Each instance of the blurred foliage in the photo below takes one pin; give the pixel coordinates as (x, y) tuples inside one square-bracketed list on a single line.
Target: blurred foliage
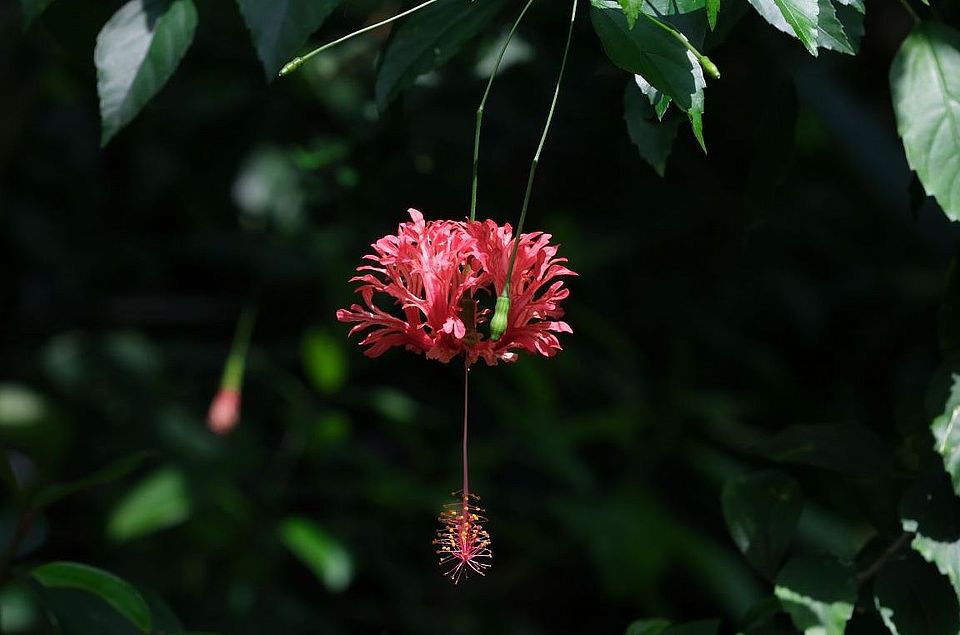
[(770, 306)]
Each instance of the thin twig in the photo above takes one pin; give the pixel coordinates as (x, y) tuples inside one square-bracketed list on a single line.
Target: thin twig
[(879, 563)]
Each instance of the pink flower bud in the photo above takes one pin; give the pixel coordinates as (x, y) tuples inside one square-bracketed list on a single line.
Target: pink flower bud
[(224, 411)]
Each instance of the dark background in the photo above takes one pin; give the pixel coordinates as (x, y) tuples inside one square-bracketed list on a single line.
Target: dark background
[(785, 278)]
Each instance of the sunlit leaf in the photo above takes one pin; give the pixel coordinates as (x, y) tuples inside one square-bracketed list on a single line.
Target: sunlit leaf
[(427, 39), (649, 50), (762, 511), (713, 10), (931, 511), (324, 555), (137, 51), (830, 31), (280, 27), (159, 501), (116, 592), (794, 17), (818, 592), (946, 434), (925, 82)]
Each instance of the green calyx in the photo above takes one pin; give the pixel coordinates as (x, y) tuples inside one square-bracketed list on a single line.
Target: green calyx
[(500, 313)]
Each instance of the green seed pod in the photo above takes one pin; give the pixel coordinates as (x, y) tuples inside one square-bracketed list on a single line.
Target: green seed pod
[(499, 322)]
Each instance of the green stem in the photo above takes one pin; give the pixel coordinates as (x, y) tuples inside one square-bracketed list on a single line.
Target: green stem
[(483, 102), (909, 9), (233, 370), (536, 157), (297, 62), (708, 66)]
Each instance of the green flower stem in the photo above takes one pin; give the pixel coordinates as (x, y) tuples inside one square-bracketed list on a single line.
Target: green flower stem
[(909, 9), (236, 361), (297, 62), (708, 66), (536, 157), (483, 102)]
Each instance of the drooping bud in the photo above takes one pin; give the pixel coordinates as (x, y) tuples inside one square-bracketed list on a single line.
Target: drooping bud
[(291, 66), (224, 411), (500, 314), (709, 67)]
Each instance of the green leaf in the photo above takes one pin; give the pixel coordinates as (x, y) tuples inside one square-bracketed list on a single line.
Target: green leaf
[(631, 9), (7, 475), (762, 511), (794, 17), (159, 501), (818, 592), (931, 511), (830, 32), (280, 27), (137, 51), (324, 360), (322, 553), (649, 50), (925, 82), (713, 10), (915, 599), (426, 40), (113, 590), (658, 100), (32, 9), (855, 4), (112, 472), (701, 627), (654, 139), (946, 434), (847, 448), (647, 627)]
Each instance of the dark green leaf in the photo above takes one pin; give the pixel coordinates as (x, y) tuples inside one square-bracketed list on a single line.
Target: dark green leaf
[(931, 511), (137, 51), (760, 615), (159, 501), (946, 434), (324, 360), (650, 51), (325, 556), (647, 627), (427, 39), (818, 592), (794, 17), (7, 475), (925, 82), (653, 138), (713, 9), (915, 599), (851, 19), (32, 9), (762, 511), (842, 447), (112, 472), (280, 27), (830, 33), (114, 591)]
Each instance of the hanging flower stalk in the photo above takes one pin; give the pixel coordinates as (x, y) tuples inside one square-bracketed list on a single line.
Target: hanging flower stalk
[(434, 275)]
